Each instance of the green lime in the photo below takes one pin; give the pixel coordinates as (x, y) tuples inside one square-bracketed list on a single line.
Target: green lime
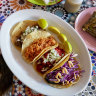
[(54, 29), (43, 23), (62, 37), (67, 47)]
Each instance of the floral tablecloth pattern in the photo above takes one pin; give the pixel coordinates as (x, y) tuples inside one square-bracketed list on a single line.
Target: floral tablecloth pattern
[(7, 7)]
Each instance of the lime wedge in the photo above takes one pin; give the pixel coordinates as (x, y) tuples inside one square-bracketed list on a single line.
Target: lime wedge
[(67, 47), (62, 37), (42, 23), (54, 29)]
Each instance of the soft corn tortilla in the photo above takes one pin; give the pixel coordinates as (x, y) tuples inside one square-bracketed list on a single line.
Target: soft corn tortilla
[(65, 59), (64, 86), (56, 65), (20, 28), (59, 64), (36, 36)]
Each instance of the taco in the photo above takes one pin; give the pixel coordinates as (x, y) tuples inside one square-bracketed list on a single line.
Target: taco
[(37, 43), (21, 30), (50, 59), (64, 74)]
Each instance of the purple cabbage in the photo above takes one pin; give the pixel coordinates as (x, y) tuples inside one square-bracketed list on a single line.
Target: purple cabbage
[(51, 77)]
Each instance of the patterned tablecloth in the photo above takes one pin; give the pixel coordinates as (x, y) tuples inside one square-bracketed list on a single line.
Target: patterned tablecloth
[(7, 7)]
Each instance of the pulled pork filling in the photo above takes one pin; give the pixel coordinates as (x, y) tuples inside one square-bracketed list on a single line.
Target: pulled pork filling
[(49, 59), (37, 46), (66, 74), (22, 36)]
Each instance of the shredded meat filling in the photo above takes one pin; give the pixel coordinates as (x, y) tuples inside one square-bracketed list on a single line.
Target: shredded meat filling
[(37, 46), (18, 41)]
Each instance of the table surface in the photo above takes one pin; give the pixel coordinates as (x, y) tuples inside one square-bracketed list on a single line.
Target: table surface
[(7, 7)]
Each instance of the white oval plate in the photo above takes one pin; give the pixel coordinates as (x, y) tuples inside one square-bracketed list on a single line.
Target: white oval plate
[(25, 72)]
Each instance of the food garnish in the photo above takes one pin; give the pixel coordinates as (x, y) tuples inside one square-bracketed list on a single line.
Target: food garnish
[(54, 29), (65, 74), (67, 46), (49, 59), (21, 37), (43, 23), (62, 37)]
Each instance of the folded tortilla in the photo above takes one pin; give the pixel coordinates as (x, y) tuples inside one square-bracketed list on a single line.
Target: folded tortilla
[(65, 74), (49, 60), (59, 64), (19, 29), (48, 65), (37, 43), (64, 86)]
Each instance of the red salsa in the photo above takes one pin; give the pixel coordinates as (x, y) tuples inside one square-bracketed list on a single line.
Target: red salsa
[(49, 59)]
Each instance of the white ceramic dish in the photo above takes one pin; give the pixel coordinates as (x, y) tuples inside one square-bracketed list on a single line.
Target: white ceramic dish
[(25, 72)]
